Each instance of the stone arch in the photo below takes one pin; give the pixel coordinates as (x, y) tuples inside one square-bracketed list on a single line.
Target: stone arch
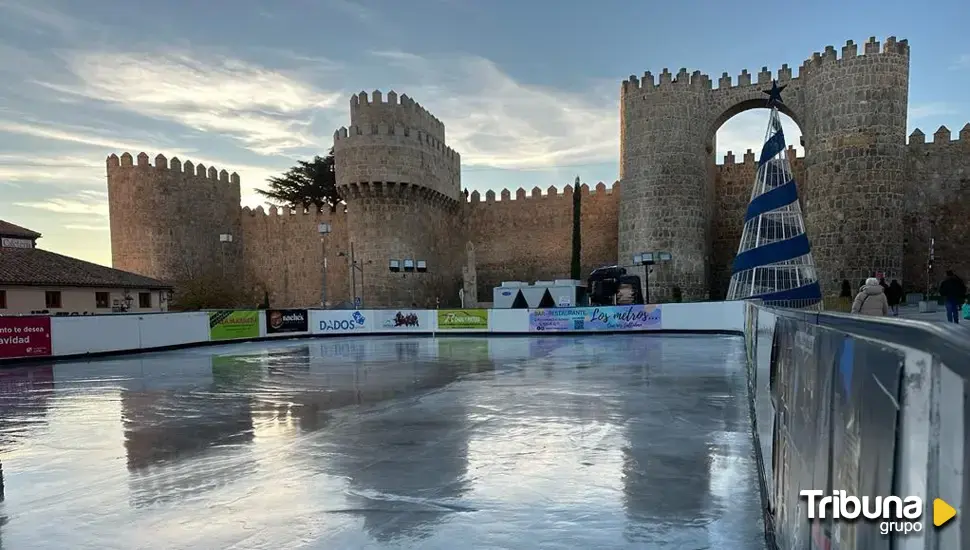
[(730, 185)]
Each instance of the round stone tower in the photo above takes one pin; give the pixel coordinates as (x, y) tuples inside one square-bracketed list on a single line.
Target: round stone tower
[(166, 220), (402, 186), (664, 200), (856, 147)]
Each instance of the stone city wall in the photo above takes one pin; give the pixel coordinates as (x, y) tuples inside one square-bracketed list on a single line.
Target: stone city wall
[(529, 238)]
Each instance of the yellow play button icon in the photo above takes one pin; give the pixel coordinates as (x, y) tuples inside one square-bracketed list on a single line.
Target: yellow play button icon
[(942, 512)]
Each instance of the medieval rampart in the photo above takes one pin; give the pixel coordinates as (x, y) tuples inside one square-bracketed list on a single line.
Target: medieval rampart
[(937, 206), (283, 255), (668, 130), (166, 219), (530, 238), (872, 203)]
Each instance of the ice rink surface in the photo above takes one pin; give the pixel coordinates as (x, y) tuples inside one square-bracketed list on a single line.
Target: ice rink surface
[(591, 442)]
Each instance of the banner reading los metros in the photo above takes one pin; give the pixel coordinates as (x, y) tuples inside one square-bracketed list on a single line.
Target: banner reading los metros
[(233, 324), (287, 320), (640, 317), (462, 319), (25, 336), (341, 321)]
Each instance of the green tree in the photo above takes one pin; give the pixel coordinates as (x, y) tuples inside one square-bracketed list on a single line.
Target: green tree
[(307, 184), (576, 266)]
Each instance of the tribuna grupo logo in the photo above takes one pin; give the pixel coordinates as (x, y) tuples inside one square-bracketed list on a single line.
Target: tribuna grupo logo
[(894, 514)]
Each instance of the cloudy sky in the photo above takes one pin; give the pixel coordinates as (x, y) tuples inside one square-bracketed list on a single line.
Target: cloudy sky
[(528, 89)]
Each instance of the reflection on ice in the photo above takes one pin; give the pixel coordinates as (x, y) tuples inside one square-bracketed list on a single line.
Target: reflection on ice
[(566, 442)]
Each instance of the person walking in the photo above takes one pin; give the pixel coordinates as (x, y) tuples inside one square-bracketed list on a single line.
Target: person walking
[(894, 296), (871, 299), (954, 292)]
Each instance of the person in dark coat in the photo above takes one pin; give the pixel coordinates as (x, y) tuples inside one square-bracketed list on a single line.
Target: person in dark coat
[(954, 292), (895, 296), (846, 289)]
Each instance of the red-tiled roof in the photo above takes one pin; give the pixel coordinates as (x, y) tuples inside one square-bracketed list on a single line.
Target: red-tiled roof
[(8, 229), (36, 267)]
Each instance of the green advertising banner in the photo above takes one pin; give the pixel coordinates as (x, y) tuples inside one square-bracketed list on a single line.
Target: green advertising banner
[(233, 324), (462, 319)]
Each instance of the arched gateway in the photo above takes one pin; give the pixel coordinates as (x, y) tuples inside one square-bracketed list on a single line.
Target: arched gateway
[(852, 113)]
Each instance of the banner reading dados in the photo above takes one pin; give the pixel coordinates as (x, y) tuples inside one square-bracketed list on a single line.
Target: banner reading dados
[(25, 336), (287, 320)]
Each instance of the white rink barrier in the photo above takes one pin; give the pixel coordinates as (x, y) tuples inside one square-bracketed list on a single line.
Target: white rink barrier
[(33, 337)]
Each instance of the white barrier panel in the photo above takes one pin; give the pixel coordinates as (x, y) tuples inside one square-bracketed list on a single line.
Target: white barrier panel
[(94, 334), (114, 333), (509, 320), (403, 320), (173, 329), (704, 316), (346, 321), (764, 409)]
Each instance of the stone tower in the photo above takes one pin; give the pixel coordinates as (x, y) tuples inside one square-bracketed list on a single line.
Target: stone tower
[(852, 113), (166, 219), (402, 186)]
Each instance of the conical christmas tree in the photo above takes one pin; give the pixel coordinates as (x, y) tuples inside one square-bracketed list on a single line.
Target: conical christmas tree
[(774, 261)]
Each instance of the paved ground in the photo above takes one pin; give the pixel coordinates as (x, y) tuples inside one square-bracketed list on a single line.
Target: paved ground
[(605, 442)]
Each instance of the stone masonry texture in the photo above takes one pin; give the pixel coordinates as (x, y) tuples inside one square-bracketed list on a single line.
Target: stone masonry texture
[(872, 202)]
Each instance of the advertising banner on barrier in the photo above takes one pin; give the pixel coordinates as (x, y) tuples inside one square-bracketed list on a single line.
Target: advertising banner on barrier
[(233, 324), (287, 320), (462, 319), (641, 317), (25, 336), (340, 322), (403, 320)]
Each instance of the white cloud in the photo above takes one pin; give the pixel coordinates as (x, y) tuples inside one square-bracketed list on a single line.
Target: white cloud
[(927, 110), (93, 203), (268, 110), (37, 12), (493, 120), (86, 227), (74, 169)]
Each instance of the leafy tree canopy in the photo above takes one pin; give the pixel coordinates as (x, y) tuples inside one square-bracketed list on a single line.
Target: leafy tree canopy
[(307, 184)]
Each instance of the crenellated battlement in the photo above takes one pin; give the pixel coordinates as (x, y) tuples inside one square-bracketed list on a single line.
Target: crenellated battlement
[(942, 136), (393, 109), (552, 193), (702, 82), (749, 157), (386, 134), (142, 161)]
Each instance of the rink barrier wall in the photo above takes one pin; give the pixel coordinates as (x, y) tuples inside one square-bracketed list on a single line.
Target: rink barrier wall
[(98, 335), (871, 406)]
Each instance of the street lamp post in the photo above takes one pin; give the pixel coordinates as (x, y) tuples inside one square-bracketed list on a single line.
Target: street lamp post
[(324, 229), (647, 259), (355, 266)]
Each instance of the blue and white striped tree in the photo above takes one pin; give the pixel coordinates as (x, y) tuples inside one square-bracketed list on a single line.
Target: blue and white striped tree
[(774, 261)]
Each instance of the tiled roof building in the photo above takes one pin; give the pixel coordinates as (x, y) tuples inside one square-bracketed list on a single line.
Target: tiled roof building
[(33, 280)]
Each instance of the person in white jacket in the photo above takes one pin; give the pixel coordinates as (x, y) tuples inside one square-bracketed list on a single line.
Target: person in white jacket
[(871, 299)]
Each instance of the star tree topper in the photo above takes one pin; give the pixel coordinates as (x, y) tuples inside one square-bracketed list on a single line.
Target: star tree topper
[(774, 94)]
